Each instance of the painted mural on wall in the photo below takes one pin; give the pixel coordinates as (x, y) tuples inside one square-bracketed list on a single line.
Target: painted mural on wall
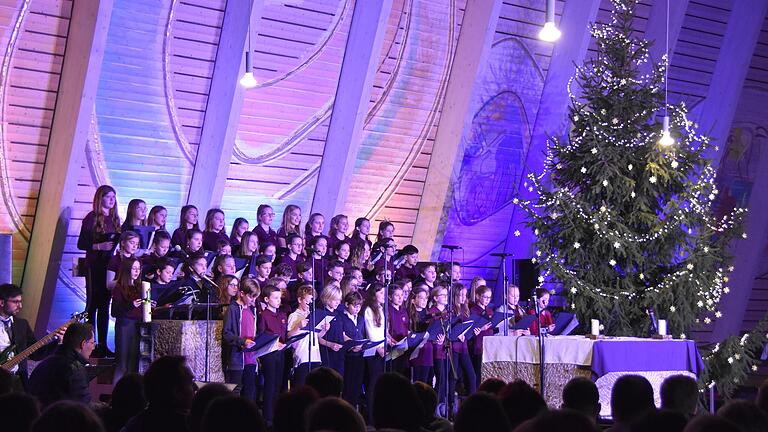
[(495, 141)]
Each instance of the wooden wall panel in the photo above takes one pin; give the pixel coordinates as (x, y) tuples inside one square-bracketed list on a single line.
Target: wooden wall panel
[(34, 34)]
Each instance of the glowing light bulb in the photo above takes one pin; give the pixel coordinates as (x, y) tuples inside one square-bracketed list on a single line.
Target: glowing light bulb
[(550, 32), (248, 81), (666, 139)]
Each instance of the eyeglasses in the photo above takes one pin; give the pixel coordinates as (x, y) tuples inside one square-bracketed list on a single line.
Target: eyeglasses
[(14, 301)]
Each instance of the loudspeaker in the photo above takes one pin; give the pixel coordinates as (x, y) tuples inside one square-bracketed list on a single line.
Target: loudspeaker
[(525, 274)]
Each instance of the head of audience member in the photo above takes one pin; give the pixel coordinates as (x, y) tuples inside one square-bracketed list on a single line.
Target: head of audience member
[(492, 386), (744, 414), (762, 396), (202, 401), (68, 416), (395, 404), (169, 386), (481, 412), (631, 398), (79, 338), (127, 399), (334, 414), (233, 413), (580, 394), (521, 402), (325, 381), (18, 411), (710, 423), (680, 393), (558, 420), (660, 421), (428, 397), (291, 409)]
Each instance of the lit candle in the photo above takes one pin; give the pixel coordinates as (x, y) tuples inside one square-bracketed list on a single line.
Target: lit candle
[(595, 327), (662, 327), (146, 305)]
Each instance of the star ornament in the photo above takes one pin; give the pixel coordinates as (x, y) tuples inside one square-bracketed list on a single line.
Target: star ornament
[(612, 262)]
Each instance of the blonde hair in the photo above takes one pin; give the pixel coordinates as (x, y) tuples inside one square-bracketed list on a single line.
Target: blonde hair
[(330, 292)]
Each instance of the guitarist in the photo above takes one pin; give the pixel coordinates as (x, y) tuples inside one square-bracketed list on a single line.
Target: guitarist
[(16, 332)]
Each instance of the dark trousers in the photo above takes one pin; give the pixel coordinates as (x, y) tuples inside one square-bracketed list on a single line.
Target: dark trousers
[(399, 365), (354, 366), (272, 367), (97, 299), (444, 376), (423, 374), (246, 380), (332, 359), (126, 347), (300, 373), (477, 365), (465, 371), (374, 366)]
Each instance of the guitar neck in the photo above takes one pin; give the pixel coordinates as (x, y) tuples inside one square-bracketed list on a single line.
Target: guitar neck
[(45, 340)]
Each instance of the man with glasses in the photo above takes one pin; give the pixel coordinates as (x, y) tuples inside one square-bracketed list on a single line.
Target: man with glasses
[(16, 334), (63, 376)]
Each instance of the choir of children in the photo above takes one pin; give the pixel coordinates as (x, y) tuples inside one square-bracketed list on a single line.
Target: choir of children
[(326, 298)]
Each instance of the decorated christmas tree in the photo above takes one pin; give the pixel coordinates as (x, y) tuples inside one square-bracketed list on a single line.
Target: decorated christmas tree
[(623, 222)]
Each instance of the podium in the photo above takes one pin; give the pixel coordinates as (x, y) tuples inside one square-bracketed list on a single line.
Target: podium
[(187, 338)]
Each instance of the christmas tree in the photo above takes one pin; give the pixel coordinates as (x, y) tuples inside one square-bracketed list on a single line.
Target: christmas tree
[(623, 222)]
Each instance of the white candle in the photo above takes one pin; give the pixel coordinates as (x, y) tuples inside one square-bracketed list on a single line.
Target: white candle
[(146, 305), (662, 327), (595, 327)]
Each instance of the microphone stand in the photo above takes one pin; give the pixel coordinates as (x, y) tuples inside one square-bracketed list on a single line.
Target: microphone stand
[(449, 367), (541, 343), (505, 281), (388, 280), (312, 310), (205, 279)]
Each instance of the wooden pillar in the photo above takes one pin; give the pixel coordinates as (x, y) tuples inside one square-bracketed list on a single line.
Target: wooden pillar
[(66, 149), (475, 37), (569, 51), (353, 94), (658, 31), (225, 101)]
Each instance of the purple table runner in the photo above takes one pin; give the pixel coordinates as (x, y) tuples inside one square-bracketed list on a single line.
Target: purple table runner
[(649, 355)]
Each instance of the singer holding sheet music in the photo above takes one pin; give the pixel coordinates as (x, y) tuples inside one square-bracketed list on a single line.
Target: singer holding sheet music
[(353, 326), (461, 360), (239, 331), (126, 308), (98, 236), (545, 316), (306, 351), (272, 321), (331, 343), (374, 328), (481, 307)]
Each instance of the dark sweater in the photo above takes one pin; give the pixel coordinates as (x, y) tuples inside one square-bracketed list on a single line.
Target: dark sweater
[(62, 376)]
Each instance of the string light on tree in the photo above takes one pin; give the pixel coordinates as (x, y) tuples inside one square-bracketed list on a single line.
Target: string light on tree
[(641, 198)]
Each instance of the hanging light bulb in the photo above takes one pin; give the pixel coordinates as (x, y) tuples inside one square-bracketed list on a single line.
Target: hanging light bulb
[(550, 32), (666, 139), (248, 81)]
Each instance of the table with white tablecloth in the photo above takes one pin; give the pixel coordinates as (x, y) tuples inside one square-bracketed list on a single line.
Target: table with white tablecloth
[(603, 360)]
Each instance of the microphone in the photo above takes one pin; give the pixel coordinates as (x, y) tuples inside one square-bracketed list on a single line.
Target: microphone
[(502, 254), (178, 249), (451, 247)]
